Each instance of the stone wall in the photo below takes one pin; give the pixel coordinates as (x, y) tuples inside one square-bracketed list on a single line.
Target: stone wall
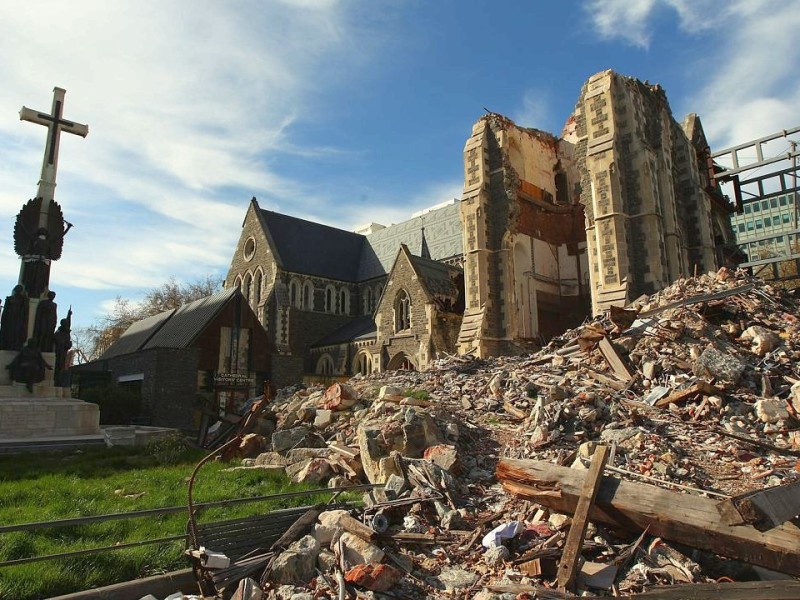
[(414, 341), (520, 218), (647, 218)]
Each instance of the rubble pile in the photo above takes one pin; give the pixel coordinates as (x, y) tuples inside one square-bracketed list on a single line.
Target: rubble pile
[(693, 395)]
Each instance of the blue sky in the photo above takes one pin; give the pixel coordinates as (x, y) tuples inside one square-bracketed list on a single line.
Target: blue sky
[(338, 111)]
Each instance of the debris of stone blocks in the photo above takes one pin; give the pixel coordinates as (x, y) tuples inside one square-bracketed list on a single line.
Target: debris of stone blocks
[(698, 394)]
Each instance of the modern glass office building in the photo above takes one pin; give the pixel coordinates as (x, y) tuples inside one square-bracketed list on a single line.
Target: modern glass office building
[(768, 228)]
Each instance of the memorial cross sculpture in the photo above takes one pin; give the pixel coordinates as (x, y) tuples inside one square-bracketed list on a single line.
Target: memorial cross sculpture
[(40, 227)]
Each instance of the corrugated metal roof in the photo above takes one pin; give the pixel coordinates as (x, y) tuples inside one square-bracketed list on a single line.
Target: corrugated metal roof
[(189, 320), (136, 335)]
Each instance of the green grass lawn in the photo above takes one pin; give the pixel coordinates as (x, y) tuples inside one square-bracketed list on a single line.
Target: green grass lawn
[(47, 487)]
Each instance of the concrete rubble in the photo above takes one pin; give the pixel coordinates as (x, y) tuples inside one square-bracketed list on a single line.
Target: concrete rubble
[(695, 390)]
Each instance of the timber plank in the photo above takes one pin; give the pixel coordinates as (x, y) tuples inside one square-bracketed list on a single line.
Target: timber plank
[(614, 360), (568, 567), (701, 387), (690, 520), (747, 590)]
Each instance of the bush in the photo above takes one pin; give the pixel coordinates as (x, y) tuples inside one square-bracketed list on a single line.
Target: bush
[(169, 450), (418, 394), (117, 405)]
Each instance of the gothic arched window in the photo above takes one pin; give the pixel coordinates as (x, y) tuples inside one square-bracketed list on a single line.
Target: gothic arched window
[(363, 364), (257, 290), (308, 295), (330, 299), (325, 365), (402, 311), (344, 301), (294, 293), (248, 287), (368, 302)]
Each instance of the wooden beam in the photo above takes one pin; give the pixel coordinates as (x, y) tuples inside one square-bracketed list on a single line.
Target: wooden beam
[(690, 520), (568, 567), (614, 360), (746, 590), (753, 441), (515, 412), (701, 387), (605, 379)]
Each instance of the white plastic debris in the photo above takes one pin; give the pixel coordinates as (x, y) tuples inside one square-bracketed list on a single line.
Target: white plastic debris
[(506, 531)]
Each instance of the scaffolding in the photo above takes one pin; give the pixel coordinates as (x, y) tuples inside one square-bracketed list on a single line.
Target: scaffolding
[(774, 255)]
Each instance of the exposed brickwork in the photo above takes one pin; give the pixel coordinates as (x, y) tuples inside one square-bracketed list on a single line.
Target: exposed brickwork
[(169, 387)]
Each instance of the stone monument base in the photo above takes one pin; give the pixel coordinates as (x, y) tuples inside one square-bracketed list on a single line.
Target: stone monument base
[(47, 411), (22, 418)]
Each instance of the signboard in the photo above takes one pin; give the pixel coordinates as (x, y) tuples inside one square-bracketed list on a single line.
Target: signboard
[(231, 380)]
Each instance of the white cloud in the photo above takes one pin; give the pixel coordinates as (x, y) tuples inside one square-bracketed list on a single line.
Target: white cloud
[(751, 89), (625, 19), (631, 20), (402, 209), (535, 110), (754, 91), (186, 103)]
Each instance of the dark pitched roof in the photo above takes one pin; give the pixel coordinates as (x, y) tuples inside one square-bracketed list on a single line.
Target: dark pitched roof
[(136, 335), (175, 328), (357, 329), (314, 249), (189, 320), (438, 278)]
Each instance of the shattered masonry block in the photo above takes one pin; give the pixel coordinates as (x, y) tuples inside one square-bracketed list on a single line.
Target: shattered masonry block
[(395, 485), (296, 565), (719, 365), (287, 439), (358, 551)]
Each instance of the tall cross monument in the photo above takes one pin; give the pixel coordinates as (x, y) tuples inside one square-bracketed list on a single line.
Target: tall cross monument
[(39, 230)]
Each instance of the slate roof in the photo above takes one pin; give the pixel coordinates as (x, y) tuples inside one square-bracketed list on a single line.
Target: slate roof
[(437, 277), (175, 328), (357, 329), (443, 237), (314, 249)]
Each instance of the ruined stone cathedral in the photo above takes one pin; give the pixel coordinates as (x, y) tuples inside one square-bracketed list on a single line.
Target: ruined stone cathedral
[(548, 231)]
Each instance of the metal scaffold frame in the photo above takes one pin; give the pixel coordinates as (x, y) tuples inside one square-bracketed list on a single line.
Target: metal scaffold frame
[(747, 158)]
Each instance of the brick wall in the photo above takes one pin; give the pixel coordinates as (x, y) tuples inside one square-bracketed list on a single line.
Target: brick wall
[(169, 387)]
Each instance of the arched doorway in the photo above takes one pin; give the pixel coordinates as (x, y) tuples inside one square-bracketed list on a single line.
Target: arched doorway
[(401, 362), (362, 364)]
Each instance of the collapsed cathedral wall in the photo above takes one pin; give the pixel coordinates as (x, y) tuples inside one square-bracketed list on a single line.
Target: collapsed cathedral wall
[(519, 224), (638, 209)]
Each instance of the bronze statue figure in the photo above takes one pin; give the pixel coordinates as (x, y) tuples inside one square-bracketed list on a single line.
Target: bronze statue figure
[(44, 326), (38, 245), (63, 342), (28, 366), (14, 322)]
